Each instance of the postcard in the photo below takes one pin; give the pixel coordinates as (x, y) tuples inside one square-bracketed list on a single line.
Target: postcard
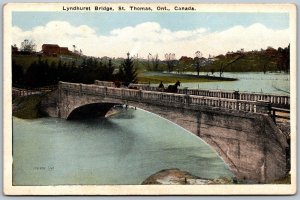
[(149, 99)]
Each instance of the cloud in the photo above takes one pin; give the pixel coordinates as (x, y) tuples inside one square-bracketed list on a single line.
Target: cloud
[(150, 37)]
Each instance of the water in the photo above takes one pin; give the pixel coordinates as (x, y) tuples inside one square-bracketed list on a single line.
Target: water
[(271, 82), (124, 149)]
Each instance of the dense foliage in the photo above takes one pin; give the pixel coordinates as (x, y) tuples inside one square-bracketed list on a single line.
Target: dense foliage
[(41, 73), (127, 71)]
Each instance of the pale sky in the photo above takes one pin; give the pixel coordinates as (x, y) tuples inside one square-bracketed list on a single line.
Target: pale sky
[(115, 34)]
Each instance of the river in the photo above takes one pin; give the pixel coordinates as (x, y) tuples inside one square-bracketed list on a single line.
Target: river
[(123, 149)]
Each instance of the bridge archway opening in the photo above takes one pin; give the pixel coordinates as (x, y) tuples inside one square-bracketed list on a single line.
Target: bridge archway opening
[(89, 111)]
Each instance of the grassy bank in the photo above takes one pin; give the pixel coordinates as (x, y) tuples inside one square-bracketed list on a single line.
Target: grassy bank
[(184, 78), (27, 107)]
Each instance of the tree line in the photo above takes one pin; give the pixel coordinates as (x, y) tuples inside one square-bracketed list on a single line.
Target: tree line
[(42, 73), (269, 59)]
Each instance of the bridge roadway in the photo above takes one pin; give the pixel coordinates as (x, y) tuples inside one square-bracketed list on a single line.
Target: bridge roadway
[(240, 131)]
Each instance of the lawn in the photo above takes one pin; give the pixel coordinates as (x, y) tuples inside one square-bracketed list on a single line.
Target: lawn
[(172, 78)]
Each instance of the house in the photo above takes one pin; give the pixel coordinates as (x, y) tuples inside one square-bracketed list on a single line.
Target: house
[(64, 50), (54, 50), (50, 49)]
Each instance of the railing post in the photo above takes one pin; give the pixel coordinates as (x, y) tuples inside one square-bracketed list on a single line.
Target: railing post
[(105, 91), (187, 97), (274, 115), (80, 89), (236, 95), (140, 95), (263, 107)]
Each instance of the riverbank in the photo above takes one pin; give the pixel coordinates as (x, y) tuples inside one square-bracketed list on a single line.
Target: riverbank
[(178, 177), (35, 106), (27, 107), (184, 78)]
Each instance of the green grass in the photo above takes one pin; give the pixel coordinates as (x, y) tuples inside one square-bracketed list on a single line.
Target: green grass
[(171, 79), (26, 60), (27, 107)]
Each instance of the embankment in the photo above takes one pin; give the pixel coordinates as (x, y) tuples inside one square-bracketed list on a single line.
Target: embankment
[(35, 106)]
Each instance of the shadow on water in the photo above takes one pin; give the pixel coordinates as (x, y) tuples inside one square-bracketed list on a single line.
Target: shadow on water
[(124, 137), (92, 110), (123, 113)]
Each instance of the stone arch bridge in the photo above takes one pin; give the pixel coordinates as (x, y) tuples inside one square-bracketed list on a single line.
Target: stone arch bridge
[(240, 131)]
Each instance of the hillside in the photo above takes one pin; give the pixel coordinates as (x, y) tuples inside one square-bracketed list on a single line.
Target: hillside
[(243, 63)]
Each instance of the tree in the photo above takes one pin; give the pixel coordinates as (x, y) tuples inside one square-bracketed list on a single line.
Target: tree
[(221, 68), (225, 63), (170, 60), (148, 62), (17, 73), (109, 71), (198, 61), (155, 62), (28, 46), (37, 74), (283, 59), (265, 60), (127, 71), (184, 63)]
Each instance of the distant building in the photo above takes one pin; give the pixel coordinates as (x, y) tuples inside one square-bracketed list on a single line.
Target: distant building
[(64, 50), (50, 49), (54, 50)]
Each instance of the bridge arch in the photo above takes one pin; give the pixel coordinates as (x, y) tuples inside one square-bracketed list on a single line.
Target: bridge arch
[(91, 110)]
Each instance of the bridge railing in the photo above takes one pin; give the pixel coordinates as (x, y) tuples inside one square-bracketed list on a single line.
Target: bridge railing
[(230, 104), (17, 92), (280, 100), (178, 100), (105, 83), (273, 99), (209, 93), (193, 100)]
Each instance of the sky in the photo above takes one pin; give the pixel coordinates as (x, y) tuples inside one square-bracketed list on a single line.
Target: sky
[(114, 34)]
